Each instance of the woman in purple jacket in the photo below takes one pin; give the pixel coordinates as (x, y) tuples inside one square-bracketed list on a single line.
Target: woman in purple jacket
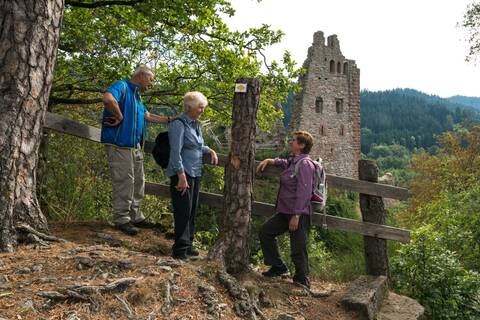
[(293, 210)]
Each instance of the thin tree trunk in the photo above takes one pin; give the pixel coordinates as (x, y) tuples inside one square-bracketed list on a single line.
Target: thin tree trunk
[(232, 245), (29, 39)]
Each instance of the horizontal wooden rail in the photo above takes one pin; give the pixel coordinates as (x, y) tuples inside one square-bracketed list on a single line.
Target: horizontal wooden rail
[(343, 183), (61, 124), (67, 126), (266, 209)]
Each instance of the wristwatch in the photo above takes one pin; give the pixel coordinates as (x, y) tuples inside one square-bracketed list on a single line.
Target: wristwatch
[(297, 215)]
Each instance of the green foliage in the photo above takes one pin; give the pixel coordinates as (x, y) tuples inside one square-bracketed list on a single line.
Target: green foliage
[(427, 271), (345, 248), (189, 47), (444, 179), (205, 239), (408, 118), (261, 154), (393, 159), (320, 259), (186, 43), (455, 216), (76, 185), (440, 267), (340, 205)]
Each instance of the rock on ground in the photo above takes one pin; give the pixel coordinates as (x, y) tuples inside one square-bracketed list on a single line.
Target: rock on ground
[(397, 307)]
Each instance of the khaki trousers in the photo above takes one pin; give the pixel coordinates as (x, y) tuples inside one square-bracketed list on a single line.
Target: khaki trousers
[(128, 183)]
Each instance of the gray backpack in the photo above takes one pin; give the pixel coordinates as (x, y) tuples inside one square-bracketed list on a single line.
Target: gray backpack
[(319, 190)]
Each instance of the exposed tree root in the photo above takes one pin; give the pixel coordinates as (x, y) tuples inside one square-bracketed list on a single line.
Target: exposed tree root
[(245, 306), (35, 236)]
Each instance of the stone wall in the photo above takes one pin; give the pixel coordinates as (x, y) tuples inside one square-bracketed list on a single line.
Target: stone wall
[(329, 106)]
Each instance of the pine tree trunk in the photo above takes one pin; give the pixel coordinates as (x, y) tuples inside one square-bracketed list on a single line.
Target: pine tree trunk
[(29, 41), (232, 245)]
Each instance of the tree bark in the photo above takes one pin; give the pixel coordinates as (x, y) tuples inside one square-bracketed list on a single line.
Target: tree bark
[(373, 210), (232, 245), (29, 40)]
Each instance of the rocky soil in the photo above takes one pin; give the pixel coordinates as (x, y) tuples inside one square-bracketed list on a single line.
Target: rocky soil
[(99, 273)]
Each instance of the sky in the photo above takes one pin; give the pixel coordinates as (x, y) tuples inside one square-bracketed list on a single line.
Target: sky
[(396, 44)]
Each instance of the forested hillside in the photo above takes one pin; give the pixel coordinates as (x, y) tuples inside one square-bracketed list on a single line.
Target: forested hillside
[(408, 117), (467, 101)]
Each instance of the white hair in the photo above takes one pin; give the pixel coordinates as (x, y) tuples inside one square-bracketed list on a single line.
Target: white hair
[(142, 70), (193, 99)]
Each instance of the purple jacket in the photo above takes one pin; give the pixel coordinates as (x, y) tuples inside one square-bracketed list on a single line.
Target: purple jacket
[(295, 193)]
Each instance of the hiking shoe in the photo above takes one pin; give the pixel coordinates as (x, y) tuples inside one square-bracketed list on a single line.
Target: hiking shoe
[(303, 281), (192, 252), (127, 228), (276, 271), (145, 224), (180, 256)]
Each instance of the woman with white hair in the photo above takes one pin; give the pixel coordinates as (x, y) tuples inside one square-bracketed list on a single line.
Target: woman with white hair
[(185, 171)]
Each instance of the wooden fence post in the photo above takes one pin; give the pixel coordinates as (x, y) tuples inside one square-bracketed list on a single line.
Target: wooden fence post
[(373, 210), (231, 246)]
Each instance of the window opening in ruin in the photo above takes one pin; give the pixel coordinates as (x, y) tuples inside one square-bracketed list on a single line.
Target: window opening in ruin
[(345, 68), (339, 105), (332, 66), (339, 67), (342, 130), (319, 105), (322, 130)]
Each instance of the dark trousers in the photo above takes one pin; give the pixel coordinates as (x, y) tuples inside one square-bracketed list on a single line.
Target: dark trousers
[(184, 211), (277, 225)]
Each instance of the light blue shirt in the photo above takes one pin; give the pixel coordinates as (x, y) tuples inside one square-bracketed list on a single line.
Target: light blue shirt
[(186, 147)]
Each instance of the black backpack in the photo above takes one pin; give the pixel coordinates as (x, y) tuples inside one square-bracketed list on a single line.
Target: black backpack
[(161, 150)]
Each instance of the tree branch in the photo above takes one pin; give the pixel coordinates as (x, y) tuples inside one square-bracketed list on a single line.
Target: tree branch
[(81, 4), (58, 100)]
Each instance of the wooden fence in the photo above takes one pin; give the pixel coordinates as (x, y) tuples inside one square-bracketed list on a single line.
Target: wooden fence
[(64, 125)]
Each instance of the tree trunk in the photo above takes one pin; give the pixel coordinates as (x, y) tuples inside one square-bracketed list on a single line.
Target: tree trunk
[(232, 245), (29, 41), (42, 167), (373, 210)]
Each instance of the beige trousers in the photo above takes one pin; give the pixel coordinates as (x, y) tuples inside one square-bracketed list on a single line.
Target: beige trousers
[(128, 183)]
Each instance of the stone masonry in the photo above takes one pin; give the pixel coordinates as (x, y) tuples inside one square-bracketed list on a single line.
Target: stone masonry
[(329, 106)]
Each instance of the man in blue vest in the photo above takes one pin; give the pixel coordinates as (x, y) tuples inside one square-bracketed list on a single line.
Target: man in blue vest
[(123, 133)]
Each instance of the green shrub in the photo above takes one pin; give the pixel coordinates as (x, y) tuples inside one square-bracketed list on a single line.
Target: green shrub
[(76, 185), (427, 271)]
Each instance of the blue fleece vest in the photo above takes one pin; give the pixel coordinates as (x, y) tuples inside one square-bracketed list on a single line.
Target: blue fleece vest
[(131, 132)]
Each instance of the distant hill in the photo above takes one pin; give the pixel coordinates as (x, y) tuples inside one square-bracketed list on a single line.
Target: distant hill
[(410, 117), (473, 102)]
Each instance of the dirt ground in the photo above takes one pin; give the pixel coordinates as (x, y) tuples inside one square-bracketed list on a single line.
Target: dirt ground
[(101, 273)]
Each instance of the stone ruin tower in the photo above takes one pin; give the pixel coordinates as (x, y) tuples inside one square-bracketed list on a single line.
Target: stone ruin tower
[(329, 106)]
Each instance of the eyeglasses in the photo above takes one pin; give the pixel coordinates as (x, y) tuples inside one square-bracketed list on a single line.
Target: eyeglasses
[(292, 139)]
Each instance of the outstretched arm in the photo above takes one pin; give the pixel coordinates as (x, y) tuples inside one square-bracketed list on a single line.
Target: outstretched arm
[(150, 117)]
